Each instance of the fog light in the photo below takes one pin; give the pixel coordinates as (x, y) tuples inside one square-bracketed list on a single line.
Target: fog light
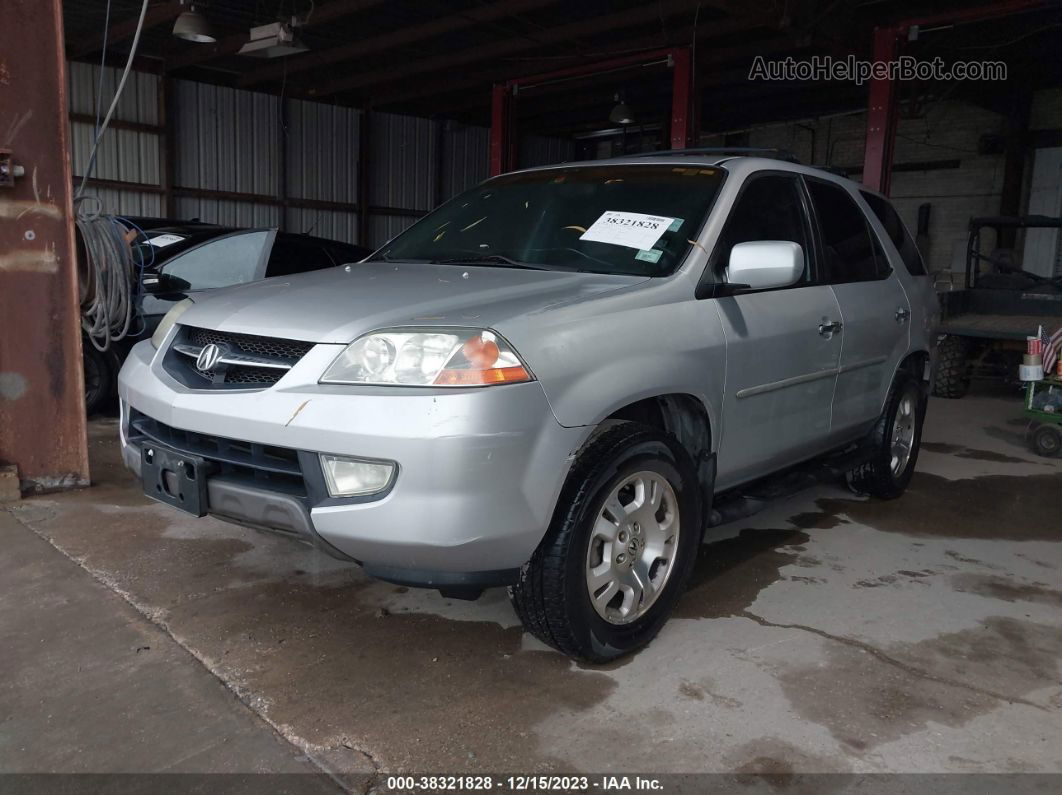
[(356, 477)]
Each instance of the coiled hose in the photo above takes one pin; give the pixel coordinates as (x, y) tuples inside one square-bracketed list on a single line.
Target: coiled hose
[(107, 275)]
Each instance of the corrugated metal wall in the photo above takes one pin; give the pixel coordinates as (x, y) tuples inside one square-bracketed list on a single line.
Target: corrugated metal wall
[(466, 157), (321, 151), (124, 155), (231, 147)]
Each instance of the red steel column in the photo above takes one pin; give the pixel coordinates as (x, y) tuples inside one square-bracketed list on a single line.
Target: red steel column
[(42, 409), (682, 100), (501, 132), (881, 115)]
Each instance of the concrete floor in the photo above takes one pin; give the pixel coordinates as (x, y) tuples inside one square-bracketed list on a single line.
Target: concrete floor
[(826, 634)]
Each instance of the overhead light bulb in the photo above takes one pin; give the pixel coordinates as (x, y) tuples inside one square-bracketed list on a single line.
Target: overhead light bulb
[(621, 113), (193, 26)]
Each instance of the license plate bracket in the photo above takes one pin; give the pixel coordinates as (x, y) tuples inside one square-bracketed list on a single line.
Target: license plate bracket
[(175, 478)]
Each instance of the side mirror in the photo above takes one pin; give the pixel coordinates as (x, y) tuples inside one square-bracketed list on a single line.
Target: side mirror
[(161, 283), (765, 264)]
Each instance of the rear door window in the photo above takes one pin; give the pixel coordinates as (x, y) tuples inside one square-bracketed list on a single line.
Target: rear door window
[(847, 246), (897, 232)]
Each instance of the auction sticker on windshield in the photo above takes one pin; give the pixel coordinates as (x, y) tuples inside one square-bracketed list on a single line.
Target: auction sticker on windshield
[(633, 230), (164, 240)]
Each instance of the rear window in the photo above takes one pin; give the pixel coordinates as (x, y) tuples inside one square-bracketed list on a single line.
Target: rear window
[(291, 257), (898, 234)]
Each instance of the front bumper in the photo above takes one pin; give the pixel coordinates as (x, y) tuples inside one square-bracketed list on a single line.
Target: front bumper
[(479, 470)]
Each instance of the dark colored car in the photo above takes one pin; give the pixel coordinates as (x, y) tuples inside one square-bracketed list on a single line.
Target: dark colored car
[(182, 258)]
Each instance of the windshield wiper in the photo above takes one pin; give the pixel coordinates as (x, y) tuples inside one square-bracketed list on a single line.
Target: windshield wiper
[(389, 258), (489, 259)]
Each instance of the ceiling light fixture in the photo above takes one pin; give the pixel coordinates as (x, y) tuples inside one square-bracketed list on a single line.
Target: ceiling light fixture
[(275, 40), (621, 113), (193, 26)]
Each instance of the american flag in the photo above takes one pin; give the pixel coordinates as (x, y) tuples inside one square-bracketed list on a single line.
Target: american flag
[(1052, 345)]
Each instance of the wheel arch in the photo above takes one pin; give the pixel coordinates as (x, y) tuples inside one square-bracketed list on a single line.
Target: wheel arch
[(686, 417), (914, 364)]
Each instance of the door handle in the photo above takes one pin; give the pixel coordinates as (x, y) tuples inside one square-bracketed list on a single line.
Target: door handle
[(828, 329), (902, 313)]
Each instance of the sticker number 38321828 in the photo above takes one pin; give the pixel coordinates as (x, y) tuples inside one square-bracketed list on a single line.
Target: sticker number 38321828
[(633, 230)]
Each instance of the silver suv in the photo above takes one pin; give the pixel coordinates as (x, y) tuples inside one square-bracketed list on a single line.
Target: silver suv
[(546, 382)]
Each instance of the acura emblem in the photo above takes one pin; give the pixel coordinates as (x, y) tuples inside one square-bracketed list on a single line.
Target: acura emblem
[(208, 357)]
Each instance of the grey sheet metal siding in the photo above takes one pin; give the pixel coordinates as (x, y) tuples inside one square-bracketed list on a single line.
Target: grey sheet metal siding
[(124, 155), (383, 227), (536, 150), (230, 140), (466, 157), (402, 165), (139, 101), (228, 213), (226, 139), (322, 151), (323, 223), (127, 202)]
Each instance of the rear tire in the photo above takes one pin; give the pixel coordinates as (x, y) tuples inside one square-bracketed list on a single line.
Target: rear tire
[(953, 367), (595, 537), (894, 442)]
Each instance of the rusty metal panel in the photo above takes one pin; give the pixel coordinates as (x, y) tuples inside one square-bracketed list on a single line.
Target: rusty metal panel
[(42, 411)]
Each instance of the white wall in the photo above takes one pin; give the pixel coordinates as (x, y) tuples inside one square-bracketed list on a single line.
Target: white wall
[(947, 130)]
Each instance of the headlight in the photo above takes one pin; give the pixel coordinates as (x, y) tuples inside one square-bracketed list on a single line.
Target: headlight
[(168, 321), (428, 357)]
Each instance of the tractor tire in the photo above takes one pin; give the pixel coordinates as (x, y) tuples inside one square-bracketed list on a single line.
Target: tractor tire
[(953, 367)]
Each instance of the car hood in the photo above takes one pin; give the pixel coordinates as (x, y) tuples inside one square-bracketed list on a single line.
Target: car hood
[(339, 304)]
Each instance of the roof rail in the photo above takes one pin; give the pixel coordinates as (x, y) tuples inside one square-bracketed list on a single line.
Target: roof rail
[(837, 170), (732, 151)]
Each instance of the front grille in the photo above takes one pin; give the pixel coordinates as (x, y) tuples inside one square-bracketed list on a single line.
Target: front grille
[(250, 362), (261, 465), (252, 375), (289, 351)]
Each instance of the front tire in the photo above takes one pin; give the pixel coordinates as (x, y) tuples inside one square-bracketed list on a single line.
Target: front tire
[(894, 442), (620, 548)]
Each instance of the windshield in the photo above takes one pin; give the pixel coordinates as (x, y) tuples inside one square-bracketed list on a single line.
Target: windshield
[(624, 219)]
